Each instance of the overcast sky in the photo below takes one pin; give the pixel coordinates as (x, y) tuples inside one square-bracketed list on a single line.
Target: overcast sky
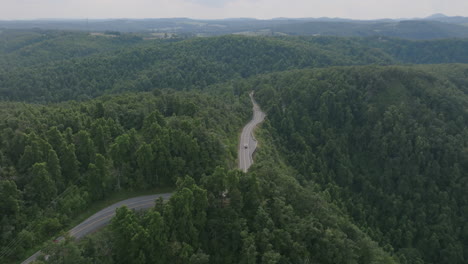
[(211, 9)]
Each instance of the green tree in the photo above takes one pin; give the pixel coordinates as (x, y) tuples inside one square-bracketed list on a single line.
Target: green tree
[(10, 198), (158, 240), (131, 239), (53, 166), (41, 190), (101, 136), (64, 252), (249, 252), (85, 151), (120, 152), (145, 160), (98, 178), (70, 164), (56, 139)]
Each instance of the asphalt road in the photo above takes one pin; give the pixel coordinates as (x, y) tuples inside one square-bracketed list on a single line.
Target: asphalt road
[(248, 144), (103, 217)]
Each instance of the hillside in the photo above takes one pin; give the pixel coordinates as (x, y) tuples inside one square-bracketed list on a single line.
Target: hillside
[(194, 63), (389, 144), (362, 158), (410, 29), (200, 62), (56, 161), (25, 48)]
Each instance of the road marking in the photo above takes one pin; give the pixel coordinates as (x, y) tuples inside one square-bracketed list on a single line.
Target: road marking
[(106, 210), (73, 232)]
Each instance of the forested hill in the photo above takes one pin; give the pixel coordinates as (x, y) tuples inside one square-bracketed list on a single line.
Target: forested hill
[(20, 48), (390, 146), (363, 157), (434, 27), (409, 29), (197, 63), (56, 161), (194, 63)]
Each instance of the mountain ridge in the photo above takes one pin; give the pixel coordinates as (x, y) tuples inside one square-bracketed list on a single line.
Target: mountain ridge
[(452, 27)]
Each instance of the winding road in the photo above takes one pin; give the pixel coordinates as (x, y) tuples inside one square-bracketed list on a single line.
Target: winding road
[(102, 218), (248, 143)]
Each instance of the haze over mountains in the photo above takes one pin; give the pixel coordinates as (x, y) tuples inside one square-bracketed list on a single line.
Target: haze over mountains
[(436, 26)]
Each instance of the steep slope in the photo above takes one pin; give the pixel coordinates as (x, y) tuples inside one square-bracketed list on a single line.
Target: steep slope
[(58, 160), (422, 51), (388, 143), (264, 216), (25, 48), (198, 63), (193, 63)]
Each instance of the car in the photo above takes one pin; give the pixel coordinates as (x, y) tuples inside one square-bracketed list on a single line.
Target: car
[(246, 145)]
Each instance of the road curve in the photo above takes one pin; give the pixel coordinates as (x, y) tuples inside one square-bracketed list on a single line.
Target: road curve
[(103, 217), (248, 144)]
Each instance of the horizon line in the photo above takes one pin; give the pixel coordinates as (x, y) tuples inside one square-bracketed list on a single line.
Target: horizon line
[(217, 19)]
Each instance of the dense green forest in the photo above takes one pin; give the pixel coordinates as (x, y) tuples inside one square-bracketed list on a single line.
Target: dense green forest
[(264, 216), (363, 157), (406, 29), (390, 145), (56, 160), (37, 47), (200, 62)]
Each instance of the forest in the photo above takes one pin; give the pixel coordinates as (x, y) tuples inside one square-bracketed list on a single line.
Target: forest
[(387, 140), (56, 160), (363, 156), (189, 64)]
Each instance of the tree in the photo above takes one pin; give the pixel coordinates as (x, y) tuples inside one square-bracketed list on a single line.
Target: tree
[(145, 160), (131, 238), (271, 257), (10, 201), (98, 178), (158, 241), (9, 198), (28, 159), (53, 166), (120, 152), (199, 258), (249, 252), (41, 190), (56, 140), (64, 252), (85, 151), (179, 213), (95, 183), (101, 136), (69, 164)]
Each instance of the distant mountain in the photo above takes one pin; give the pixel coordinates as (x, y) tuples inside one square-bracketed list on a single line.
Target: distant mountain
[(329, 19), (410, 29), (240, 19), (448, 19), (433, 27), (436, 16)]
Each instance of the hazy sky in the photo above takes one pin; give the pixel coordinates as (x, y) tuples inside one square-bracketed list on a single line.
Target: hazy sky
[(358, 9)]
